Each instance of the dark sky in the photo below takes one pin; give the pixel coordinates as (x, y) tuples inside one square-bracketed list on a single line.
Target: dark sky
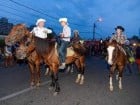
[(81, 14)]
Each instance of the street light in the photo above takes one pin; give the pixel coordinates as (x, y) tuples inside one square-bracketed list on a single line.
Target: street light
[(94, 26)]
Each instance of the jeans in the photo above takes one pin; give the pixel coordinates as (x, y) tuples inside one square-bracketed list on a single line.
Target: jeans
[(63, 50)]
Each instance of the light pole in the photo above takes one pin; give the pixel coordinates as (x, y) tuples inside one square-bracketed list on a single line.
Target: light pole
[(94, 26)]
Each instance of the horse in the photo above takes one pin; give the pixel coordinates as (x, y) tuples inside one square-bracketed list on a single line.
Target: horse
[(76, 55), (38, 50), (117, 60)]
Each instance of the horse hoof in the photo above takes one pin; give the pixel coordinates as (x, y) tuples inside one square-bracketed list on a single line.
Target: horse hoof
[(55, 93), (81, 82), (111, 89), (38, 84), (32, 84), (50, 88), (77, 81)]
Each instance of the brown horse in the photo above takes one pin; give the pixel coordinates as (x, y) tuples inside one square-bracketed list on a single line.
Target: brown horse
[(117, 61), (76, 55), (37, 50)]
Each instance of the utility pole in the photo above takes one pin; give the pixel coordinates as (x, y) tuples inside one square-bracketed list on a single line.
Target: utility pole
[(94, 30), (94, 26)]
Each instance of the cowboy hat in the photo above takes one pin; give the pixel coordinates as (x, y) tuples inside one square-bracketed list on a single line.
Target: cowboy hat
[(120, 27), (63, 20), (40, 20)]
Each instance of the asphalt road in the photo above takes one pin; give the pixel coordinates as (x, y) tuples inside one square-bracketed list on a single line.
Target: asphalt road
[(15, 90)]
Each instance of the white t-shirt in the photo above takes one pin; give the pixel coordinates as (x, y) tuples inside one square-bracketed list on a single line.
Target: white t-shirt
[(41, 32)]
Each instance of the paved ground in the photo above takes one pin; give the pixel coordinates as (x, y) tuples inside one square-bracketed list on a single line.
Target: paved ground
[(94, 92)]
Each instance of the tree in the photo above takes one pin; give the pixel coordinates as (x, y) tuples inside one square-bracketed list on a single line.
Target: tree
[(135, 37)]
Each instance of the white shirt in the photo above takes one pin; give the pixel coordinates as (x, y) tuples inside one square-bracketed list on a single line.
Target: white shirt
[(66, 33), (41, 32)]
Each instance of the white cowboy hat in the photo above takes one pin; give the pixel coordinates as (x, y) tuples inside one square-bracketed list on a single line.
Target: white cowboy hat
[(63, 20), (40, 20)]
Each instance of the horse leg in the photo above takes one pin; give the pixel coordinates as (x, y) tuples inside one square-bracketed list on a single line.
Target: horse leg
[(117, 76), (57, 87), (121, 68), (72, 68), (47, 71), (82, 70), (52, 85), (32, 72), (77, 63), (38, 73), (55, 76), (68, 67), (111, 78)]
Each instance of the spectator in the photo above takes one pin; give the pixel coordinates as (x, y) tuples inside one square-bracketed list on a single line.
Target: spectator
[(138, 57)]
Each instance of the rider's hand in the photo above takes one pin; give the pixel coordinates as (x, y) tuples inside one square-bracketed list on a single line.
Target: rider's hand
[(61, 35)]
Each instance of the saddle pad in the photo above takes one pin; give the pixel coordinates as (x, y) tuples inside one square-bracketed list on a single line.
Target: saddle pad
[(70, 52)]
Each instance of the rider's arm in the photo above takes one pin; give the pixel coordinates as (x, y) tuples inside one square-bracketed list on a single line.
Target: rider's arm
[(49, 31)]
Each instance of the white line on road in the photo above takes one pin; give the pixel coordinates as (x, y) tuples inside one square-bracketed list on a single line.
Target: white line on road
[(21, 92)]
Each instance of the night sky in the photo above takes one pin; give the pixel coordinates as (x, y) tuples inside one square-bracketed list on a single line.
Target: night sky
[(81, 14)]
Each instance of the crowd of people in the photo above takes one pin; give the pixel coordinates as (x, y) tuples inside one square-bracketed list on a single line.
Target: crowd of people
[(93, 47)]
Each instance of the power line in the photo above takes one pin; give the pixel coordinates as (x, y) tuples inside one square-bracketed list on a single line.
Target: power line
[(55, 18), (16, 15), (18, 10), (32, 9)]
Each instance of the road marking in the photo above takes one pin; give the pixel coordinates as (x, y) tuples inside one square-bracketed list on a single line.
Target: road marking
[(21, 92)]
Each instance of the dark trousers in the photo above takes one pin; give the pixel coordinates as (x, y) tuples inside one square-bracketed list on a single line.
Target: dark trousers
[(63, 50)]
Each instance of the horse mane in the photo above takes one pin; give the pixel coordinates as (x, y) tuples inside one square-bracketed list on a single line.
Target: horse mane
[(79, 48)]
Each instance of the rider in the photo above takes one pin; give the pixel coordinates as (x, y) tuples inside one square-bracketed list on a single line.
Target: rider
[(40, 30), (119, 36), (65, 39), (122, 40), (76, 38)]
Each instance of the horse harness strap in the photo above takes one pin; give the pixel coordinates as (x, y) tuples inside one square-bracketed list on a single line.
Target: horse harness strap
[(121, 49)]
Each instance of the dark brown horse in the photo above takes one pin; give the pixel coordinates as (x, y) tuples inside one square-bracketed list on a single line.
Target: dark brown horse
[(117, 61), (38, 50)]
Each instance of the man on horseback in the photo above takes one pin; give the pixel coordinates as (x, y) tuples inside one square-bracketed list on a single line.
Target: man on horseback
[(40, 31), (76, 37), (65, 39), (119, 37)]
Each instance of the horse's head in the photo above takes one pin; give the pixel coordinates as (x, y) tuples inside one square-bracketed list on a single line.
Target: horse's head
[(79, 48), (25, 49), (21, 51), (17, 33), (112, 51)]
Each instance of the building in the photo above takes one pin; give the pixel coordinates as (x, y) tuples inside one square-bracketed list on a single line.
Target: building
[(5, 26)]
